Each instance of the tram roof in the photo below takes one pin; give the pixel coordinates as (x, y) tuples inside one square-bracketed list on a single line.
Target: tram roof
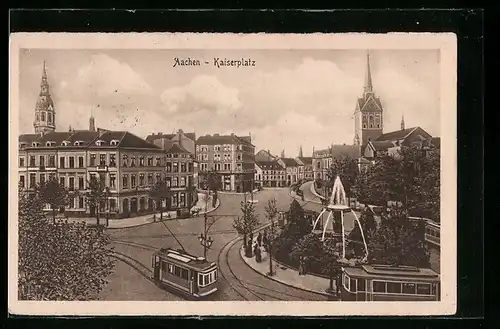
[(182, 257), (387, 272)]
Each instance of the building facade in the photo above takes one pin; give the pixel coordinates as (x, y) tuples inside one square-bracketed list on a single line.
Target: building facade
[(231, 157), (305, 168), (180, 178), (273, 173), (292, 170)]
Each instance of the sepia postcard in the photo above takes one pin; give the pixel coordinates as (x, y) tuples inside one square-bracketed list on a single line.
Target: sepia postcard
[(204, 174)]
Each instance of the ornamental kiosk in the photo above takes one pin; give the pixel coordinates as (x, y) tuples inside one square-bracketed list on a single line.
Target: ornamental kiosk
[(389, 283)]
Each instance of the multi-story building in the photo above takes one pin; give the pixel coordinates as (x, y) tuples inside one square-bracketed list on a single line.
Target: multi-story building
[(231, 157), (180, 177), (305, 168), (273, 174), (292, 170), (323, 159)]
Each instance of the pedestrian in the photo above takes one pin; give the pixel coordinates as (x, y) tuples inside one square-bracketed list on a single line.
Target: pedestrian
[(259, 239), (258, 256), (265, 242), (301, 265)]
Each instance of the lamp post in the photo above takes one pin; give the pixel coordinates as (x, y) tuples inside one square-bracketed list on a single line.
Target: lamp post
[(205, 240), (107, 206)]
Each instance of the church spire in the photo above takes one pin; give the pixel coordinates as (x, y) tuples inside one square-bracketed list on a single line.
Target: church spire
[(368, 77), (282, 153), (300, 152), (45, 115), (403, 121)]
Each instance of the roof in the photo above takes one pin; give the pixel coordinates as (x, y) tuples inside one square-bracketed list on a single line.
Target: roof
[(85, 136), (184, 258), (151, 138), (28, 138), (396, 135), (362, 102), (268, 165), (352, 151), (393, 272), (289, 162), (217, 139), (306, 160), (382, 145), (264, 155), (125, 140), (178, 149)]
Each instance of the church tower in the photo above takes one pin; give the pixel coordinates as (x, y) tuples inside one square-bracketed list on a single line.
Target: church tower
[(403, 122), (368, 116), (301, 154), (45, 114)]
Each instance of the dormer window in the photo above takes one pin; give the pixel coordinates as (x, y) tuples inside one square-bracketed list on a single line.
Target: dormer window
[(35, 144), (50, 144), (99, 143), (65, 143), (22, 145), (114, 142)]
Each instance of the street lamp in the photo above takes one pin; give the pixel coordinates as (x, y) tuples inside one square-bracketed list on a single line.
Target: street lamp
[(107, 206), (206, 241)]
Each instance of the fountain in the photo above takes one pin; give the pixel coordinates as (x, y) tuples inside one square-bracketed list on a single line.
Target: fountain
[(336, 208)]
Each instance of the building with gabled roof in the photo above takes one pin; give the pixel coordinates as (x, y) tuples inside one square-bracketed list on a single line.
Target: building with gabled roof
[(292, 169), (165, 141), (305, 168), (270, 174)]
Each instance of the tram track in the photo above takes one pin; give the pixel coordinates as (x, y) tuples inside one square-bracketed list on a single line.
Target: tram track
[(142, 269), (161, 236)]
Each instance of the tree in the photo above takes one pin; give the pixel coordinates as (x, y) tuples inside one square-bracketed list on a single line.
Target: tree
[(246, 224), (158, 192), (297, 221), (214, 183), (399, 241), (271, 212), (96, 195), (330, 263), (310, 247), (59, 261), (53, 193), (347, 169)]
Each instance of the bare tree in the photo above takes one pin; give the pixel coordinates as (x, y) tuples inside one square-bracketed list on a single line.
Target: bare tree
[(271, 213)]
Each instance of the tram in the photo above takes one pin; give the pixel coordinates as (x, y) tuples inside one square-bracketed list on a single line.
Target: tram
[(190, 275), (389, 283)]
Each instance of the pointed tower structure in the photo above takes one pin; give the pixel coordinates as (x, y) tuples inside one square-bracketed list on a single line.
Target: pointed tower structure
[(301, 154), (403, 121), (368, 115), (282, 153), (45, 114)]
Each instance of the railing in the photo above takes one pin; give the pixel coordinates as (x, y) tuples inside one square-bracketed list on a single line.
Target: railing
[(436, 240)]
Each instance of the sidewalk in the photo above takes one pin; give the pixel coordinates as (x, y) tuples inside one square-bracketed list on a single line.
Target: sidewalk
[(229, 192), (144, 219), (289, 276)]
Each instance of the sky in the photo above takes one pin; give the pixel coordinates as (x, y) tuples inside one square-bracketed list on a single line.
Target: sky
[(289, 98)]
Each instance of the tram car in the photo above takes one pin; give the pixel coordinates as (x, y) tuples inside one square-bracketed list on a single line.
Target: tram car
[(192, 276), (389, 283)]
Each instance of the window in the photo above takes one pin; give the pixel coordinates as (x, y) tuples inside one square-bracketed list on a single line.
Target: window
[(80, 202), (52, 161), (32, 161), (169, 181), (216, 157), (81, 183), (125, 181), (141, 179), (158, 161), (394, 287), (217, 148), (190, 167), (197, 148), (32, 180), (423, 289), (379, 286), (49, 115), (174, 181), (182, 181), (150, 161), (114, 142), (112, 180), (175, 167), (408, 288), (132, 161), (43, 116), (112, 204), (42, 161), (169, 166), (361, 285), (21, 162), (21, 181), (206, 279), (158, 177), (72, 162), (102, 160), (183, 200), (217, 166), (141, 161), (150, 179), (183, 167), (205, 157), (132, 181), (92, 160), (238, 157), (62, 181), (72, 183), (112, 160), (61, 162), (352, 285), (124, 160)]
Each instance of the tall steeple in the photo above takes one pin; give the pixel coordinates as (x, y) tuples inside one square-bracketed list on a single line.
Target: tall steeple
[(403, 121), (300, 152), (368, 77), (45, 115), (282, 153)]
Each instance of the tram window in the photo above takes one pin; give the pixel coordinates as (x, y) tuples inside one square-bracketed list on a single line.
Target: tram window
[(361, 285), (200, 279), (184, 273), (393, 288), (177, 271), (352, 285), (170, 268), (215, 275), (164, 267), (345, 280), (408, 288), (423, 289), (379, 286)]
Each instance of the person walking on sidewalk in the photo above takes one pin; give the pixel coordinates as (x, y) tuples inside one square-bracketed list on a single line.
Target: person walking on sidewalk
[(259, 239), (301, 265)]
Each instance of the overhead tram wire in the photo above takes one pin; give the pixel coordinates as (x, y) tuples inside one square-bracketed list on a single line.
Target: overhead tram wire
[(173, 235)]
